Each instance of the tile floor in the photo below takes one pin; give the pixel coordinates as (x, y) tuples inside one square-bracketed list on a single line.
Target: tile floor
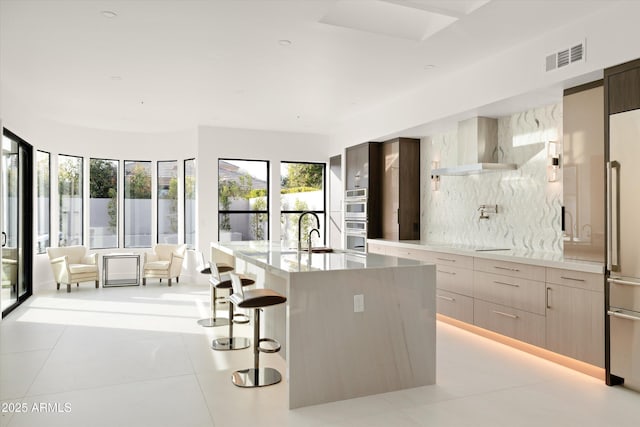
[(134, 356)]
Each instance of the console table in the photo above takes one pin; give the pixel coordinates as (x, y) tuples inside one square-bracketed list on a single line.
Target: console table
[(133, 280)]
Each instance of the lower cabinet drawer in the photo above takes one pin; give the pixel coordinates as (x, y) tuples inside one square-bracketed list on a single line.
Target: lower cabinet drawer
[(522, 294), (518, 324), (454, 279), (453, 305)]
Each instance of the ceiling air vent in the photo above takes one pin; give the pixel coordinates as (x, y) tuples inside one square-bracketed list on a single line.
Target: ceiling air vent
[(565, 57)]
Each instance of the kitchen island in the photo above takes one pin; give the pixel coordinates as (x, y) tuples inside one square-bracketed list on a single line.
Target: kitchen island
[(353, 325)]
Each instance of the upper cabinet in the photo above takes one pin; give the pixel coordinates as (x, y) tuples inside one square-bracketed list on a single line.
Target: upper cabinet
[(363, 170), (622, 87), (583, 172), (401, 189), (362, 165)]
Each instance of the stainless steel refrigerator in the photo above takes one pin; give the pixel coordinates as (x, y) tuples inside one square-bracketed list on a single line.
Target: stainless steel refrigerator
[(623, 247)]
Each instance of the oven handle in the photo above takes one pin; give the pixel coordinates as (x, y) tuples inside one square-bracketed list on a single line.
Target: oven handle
[(357, 233)]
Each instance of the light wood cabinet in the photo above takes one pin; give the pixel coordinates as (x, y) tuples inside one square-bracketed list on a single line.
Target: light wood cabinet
[(523, 294), (583, 172), (454, 285), (511, 269), (575, 315), (454, 279), (454, 305), (376, 248), (558, 309), (508, 321), (400, 207)]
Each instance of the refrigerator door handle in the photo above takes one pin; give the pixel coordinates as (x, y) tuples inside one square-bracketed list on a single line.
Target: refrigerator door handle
[(611, 265), (620, 314), (623, 282)]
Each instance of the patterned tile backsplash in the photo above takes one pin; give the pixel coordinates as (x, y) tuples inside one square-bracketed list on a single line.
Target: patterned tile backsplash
[(529, 207)]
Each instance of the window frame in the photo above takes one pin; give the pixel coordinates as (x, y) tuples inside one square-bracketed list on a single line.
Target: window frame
[(48, 153), (191, 245), (81, 182), (324, 197), (246, 211), (124, 205), (117, 206)]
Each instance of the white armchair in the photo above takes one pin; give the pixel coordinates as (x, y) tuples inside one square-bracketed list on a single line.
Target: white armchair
[(72, 264), (164, 263)]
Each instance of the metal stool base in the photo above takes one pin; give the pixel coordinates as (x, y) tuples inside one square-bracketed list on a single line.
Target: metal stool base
[(234, 343), (211, 322), (261, 377)]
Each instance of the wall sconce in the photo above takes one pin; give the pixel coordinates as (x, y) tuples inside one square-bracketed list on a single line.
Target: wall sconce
[(435, 179), (553, 153)]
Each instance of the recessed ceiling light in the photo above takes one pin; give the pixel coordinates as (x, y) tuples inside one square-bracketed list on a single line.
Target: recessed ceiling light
[(108, 14), (284, 42), (429, 67), (116, 77)]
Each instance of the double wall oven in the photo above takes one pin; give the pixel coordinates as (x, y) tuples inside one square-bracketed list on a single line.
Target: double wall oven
[(355, 215)]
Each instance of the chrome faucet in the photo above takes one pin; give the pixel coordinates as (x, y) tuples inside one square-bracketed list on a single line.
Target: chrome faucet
[(300, 227)]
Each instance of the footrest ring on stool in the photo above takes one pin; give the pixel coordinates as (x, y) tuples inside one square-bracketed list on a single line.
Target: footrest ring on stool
[(242, 318), (275, 349)]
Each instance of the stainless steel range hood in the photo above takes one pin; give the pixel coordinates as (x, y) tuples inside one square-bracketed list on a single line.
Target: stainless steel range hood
[(478, 150)]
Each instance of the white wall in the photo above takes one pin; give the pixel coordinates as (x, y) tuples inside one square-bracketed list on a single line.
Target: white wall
[(58, 138), (610, 40), (216, 143)]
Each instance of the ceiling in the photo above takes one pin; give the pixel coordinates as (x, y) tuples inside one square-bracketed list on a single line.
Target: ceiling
[(297, 65)]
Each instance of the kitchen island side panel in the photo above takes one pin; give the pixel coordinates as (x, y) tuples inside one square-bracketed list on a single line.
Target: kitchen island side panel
[(335, 353)]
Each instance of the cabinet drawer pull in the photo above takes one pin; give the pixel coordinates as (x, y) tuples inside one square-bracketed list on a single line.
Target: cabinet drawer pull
[(446, 298), (446, 259), (571, 278), (447, 272), (546, 297), (513, 316), (508, 284), (505, 268)]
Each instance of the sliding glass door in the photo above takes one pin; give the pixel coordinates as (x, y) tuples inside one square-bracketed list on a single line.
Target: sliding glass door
[(17, 221)]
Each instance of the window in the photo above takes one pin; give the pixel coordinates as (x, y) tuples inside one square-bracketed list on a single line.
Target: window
[(243, 195), (43, 201), (103, 203), (70, 190), (137, 204), (302, 188), (190, 203), (168, 202)]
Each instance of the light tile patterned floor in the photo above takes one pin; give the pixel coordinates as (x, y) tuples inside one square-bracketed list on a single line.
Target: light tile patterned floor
[(134, 356)]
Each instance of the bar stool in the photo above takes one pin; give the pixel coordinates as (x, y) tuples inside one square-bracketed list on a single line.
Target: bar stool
[(256, 299), (215, 279), (224, 282)]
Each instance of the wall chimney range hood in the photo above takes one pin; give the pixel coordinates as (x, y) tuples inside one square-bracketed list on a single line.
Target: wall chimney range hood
[(478, 150)]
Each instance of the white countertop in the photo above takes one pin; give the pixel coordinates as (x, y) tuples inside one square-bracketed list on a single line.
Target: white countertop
[(544, 259), (285, 259)]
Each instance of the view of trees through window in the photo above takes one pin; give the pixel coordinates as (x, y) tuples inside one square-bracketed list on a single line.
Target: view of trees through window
[(301, 189), (190, 203), (70, 191), (103, 203), (43, 203), (137, 204), (168, 202), (243, 211)]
